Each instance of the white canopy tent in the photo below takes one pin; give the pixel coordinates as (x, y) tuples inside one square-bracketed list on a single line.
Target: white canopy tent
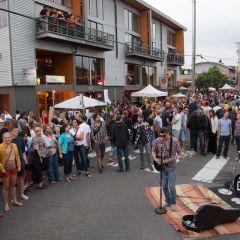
[(179, 95), (211, 89), (227, 87), (74, 103), (149, 91)]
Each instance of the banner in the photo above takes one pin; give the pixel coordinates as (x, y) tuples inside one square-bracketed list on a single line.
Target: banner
[(106, 98), (163, 82)]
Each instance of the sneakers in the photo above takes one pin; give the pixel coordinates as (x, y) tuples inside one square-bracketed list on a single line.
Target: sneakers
[(88, 174), (150, 168), (173, 208), (24, 197), (165, 204)]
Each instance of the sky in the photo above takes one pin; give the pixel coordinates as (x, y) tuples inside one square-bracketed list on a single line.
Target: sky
[(218, 27)]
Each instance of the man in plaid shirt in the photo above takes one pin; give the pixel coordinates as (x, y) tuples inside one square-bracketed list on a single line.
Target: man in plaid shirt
[(143, 131)]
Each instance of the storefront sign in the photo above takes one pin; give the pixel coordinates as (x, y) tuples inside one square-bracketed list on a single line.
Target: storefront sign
[(163, 83), (30, 75), (55, 79)]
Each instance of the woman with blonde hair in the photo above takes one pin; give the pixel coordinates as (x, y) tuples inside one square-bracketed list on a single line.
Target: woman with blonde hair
[(9, 166)]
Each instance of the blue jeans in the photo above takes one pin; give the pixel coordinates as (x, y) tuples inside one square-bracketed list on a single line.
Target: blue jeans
[(82, 157), (148, 154), (119, 155), (226, 140), (52, 168), (169, 183), (67, 163), (113, 150), (193, 141), (76, 158)]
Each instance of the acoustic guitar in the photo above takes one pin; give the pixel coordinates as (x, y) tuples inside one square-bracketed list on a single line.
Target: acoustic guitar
[(165, 163)]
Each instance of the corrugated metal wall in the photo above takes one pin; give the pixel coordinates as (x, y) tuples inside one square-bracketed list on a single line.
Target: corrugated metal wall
[(5, 58)]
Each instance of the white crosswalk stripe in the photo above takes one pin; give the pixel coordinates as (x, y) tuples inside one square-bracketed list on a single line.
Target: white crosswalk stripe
[(210, 170)]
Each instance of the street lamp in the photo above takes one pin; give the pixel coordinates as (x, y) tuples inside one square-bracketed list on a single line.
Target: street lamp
[(193, 45)]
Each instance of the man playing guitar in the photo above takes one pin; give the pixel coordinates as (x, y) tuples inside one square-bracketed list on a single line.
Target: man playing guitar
[(167, 148)]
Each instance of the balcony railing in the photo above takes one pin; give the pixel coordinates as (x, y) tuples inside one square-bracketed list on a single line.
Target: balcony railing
[(175, 59), (49, 27), (135, 49)]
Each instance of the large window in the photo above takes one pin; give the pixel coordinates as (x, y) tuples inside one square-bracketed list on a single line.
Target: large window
[(172, 78), (154, 31), (96, 8), (171, 38), (95, 25), (89, 71), (132, 73), (139, 75), (131, 21), (148, 75), (45, 66)]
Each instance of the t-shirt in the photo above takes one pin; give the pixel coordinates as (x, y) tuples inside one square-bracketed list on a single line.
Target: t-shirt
[(20, 145), (225, 125), (177, 125), (84, 127)]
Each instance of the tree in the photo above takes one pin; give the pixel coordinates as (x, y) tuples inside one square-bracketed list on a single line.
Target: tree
[(212, 78)]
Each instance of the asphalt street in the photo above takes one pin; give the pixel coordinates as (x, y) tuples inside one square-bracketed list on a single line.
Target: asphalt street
[(107, 206)]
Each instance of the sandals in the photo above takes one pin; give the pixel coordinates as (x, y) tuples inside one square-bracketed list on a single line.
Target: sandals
[(6, 209), (18, 204)]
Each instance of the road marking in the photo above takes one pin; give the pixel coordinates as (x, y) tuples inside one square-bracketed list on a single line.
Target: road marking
[(210, 170), (115, 164), (93, 154)]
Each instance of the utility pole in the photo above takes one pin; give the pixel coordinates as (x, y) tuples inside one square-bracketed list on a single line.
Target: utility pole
[(238, 67), (193, 45)]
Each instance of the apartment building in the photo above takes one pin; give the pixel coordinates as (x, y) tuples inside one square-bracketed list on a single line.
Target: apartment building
[(51, 50)]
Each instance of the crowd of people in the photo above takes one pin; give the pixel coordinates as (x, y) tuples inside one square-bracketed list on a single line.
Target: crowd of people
[(31, 151)]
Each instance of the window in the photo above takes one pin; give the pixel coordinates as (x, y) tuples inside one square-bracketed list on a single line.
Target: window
[(130, 38), (3, 15), (132, 73), (96, 8), (171, 38), (139, 75), (148, 75), (131, 21), (154, 31), (172, 79), (89, 71), (45, 66), (95, 25), (66, 3)]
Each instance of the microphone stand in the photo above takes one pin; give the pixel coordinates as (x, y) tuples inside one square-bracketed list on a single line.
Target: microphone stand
[(160, 209)]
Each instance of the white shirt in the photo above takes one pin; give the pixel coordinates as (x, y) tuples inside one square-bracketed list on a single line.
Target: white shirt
[(177, 124), (216, 108), (84, 127)]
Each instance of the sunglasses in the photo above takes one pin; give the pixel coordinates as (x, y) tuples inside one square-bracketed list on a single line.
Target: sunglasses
[(162, 135)]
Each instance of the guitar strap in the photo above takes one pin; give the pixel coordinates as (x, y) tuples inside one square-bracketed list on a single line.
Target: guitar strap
[(171, 142)]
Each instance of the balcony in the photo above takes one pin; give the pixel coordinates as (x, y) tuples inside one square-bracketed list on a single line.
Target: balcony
[(136, 49), (56, 29), (175, 59)]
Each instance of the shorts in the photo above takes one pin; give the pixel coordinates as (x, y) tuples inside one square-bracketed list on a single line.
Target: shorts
[(21, 173), (9, 173), (176, 133), (99, 148), (182, 135)]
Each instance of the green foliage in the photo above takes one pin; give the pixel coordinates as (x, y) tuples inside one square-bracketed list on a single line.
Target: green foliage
[(212, 78)]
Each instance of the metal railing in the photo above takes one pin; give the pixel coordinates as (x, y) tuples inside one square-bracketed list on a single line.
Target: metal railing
[(70, 29), (145, 50), (176, 59)]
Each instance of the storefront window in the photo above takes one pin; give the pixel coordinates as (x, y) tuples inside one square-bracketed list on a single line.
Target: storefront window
[(172, 79), (89, 71), (132, 74)]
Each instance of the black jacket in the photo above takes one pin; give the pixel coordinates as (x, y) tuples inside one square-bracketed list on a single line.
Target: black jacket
[(120, 135), (192, 123), (110, 128)]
